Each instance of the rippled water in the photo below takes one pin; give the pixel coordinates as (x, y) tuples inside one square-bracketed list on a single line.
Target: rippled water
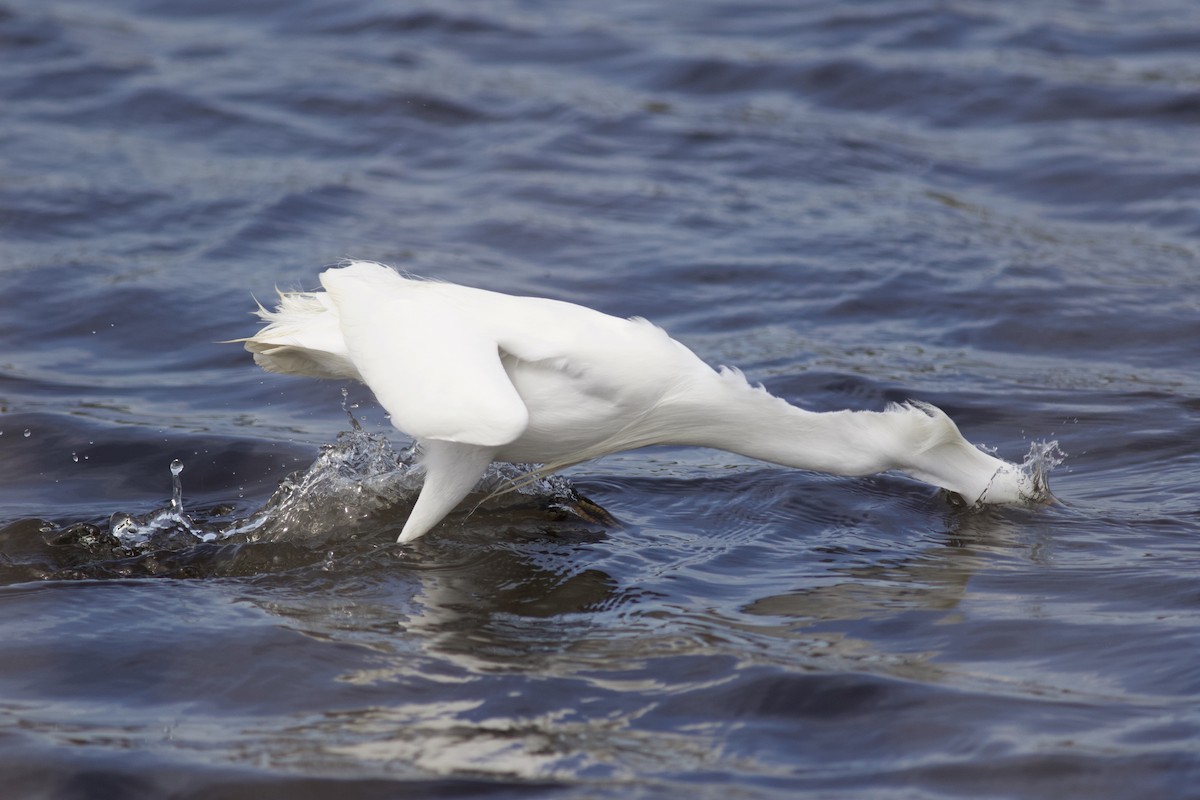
[(992, 207)]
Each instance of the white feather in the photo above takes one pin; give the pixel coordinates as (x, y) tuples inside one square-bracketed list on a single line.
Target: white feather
[(475, 375)]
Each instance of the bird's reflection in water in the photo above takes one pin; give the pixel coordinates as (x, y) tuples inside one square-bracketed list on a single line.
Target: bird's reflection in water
[(554, 648)]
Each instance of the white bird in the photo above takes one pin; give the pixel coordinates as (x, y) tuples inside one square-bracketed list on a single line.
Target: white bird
[(476, 376)]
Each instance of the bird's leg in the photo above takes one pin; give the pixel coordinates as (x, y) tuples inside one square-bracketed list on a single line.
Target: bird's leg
[(451, 472)]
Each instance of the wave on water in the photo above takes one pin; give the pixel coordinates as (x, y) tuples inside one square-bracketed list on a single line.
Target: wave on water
[(360, 488)]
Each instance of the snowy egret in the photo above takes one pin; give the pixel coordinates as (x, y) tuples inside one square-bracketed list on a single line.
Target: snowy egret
[(478, 376)]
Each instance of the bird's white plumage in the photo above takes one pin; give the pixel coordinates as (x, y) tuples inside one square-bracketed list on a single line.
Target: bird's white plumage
[(477, 376), (457, 389)]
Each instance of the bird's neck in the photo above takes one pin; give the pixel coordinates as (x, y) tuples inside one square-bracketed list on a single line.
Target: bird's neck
[(728, 414), (731, 415)]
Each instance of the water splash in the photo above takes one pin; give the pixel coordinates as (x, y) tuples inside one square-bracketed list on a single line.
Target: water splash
[(349, 408), (162, 527), (350, 482), (361, 484), (362, 480), (176, 486), (1041, 459)]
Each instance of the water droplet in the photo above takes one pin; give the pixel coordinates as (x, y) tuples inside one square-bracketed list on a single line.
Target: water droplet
[(75, 457), (349, 409), (176, 486), (27, 433)]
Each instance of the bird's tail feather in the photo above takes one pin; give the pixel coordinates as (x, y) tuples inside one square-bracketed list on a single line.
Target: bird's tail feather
[(302, 337)]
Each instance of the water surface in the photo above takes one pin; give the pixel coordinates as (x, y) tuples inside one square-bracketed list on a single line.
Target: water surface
[(991, 208)]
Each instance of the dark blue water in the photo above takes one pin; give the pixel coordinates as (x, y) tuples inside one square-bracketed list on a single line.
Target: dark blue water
[(991, 207)]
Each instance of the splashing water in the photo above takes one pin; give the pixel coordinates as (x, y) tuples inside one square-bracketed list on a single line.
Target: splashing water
[(176, 486), (1041, 459), (360, 479), (350, 482), (161, 526), (351, 487)]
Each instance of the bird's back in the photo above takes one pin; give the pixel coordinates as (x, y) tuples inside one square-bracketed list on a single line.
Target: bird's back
[(544, 378)]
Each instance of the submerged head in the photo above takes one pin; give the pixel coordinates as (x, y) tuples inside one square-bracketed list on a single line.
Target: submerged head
[(1020, 484), (1011, 484)]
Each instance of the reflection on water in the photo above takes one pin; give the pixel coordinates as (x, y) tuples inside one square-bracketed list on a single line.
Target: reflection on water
[(450, 627), (618, 672)]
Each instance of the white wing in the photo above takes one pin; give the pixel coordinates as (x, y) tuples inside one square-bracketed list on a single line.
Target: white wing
[(431, 366)]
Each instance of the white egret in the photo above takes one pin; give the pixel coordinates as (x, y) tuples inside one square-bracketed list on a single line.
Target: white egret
[(478, 376)]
